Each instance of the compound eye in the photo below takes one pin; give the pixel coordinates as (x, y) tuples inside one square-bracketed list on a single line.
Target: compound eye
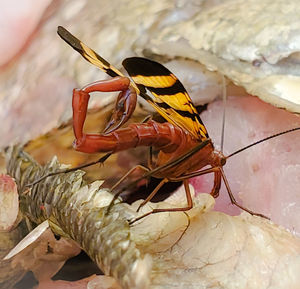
[(223, 161)]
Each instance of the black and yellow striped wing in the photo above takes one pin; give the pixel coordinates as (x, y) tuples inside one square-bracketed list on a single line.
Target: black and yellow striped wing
[(87, 53), (169, 97)]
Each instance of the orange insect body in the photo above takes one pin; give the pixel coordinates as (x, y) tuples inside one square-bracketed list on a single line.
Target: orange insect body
[(183, 143), (171, 140)]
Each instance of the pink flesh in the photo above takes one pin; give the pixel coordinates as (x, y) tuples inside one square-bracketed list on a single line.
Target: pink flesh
[(17, 22), (9, 202), (265, 178)]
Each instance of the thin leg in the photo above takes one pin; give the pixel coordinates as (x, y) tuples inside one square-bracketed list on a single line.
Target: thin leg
[(232, 198), (128, 174), (188, 199), (100, 161), (146, 119), (182, 209), (150, 159), (215, 191), (174, 163), (217, 179), (196, 174), (165, 166), (150, 197)]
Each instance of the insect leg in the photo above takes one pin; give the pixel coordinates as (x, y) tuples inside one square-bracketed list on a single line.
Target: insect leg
[(217, 179), (165, 166), (125, 103), (188, 199), (217, 184), (153, 193), (232, 198), (124, 108), (182, 209), (127, 174), (150, 159), (99, 161)]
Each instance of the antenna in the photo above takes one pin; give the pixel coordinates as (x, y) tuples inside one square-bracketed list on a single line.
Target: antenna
[(262, 140), (224, 96)]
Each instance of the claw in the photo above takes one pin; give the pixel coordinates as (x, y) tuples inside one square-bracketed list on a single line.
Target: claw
[(124, 108)]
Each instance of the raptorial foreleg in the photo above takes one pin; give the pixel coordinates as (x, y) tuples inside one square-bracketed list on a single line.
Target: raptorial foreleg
[(124, 107)]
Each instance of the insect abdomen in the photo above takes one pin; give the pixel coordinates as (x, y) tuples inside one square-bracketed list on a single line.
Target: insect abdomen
[(162, 136)]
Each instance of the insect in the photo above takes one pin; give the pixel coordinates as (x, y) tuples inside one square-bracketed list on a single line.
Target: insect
[(183, 142)]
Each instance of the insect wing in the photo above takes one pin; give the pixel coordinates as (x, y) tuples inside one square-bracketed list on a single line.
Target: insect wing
[(89, 54), (170, 98)]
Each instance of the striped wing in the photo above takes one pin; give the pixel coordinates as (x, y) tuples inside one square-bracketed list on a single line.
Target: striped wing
[(170, 98), (89, 54)]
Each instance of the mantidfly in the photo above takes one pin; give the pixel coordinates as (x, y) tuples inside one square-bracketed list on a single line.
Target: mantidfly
[(182, 142)]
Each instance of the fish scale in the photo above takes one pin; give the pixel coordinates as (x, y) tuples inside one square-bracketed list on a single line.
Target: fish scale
[(71, 209)]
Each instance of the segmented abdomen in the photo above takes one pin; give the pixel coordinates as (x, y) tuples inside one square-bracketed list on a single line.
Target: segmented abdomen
[(163, 136)]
